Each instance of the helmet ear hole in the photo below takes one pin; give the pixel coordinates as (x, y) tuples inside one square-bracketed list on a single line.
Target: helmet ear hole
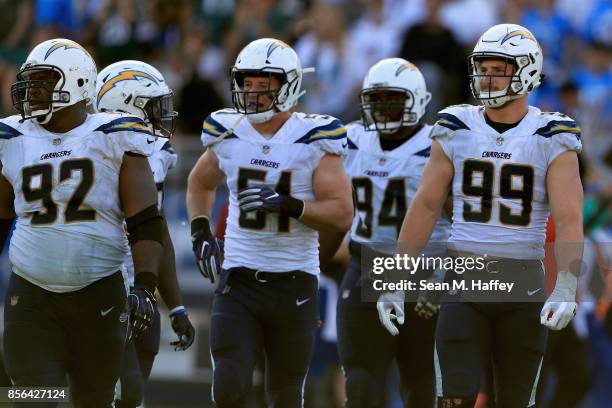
[(80, 82)]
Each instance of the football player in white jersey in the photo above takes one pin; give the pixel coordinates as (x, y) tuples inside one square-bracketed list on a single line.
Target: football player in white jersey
[(508, 165), (139, 89), (72, 179), (286, 180), (387, 152)]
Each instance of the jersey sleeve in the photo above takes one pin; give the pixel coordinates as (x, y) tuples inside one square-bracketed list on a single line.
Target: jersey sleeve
[(216, 125), (328, 138), (448, 123), (129, 134), (163, 159), (441, 133), (562, 134), (7, 133)]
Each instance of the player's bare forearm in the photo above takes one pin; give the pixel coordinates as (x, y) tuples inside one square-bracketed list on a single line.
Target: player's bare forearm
[(333, 215), (200, 201), (329, 242), (137, 189), (569, 244), (202, 185), (332, 210), (566, 198), (427, 204), (168, 282), (417, 227)]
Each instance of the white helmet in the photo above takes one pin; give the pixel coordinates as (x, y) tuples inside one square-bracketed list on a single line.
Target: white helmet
[(399, 76), (512, 43), (139, 89), (262, 57), (71, 78)]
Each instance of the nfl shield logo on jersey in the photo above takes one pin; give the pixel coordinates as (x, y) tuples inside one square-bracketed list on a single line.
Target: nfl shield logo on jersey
[(265, 149), (14, 300), (57, 142), (382, 161), (499, 141)]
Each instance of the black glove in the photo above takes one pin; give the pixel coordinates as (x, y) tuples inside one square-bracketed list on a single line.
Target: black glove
[(206, 248), (426, 306), (262, 197), (142, 302), (183, 329), (428, 301)]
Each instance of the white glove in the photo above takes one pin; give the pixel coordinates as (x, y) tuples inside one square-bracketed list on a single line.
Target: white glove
[(561, 302), (388, 303)]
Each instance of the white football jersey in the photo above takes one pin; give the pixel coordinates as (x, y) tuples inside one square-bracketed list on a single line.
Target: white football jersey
[(69, 230), (500, 204), (385, 182), (163, 159), (286, 162)]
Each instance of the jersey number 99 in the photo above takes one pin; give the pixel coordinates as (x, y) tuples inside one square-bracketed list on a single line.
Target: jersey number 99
[(508, 174)]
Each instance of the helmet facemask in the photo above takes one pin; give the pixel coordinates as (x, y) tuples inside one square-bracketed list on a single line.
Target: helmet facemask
[(388, 109), (159, 113), (38, 92), (496, 89), (260, 105)]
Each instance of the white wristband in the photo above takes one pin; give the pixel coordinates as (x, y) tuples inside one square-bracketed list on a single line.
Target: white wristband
[(177, 310)]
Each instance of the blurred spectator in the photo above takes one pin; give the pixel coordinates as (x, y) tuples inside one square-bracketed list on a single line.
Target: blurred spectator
[(548, 26), (468, 19), (15, 21), (569, 100), (339, 65), (217, 16), (204, 72), (113, 30), (441, 59), (403, 14), (594, 76), (594, 80), (255, 19), (376, 37), (598, 25), (59, 14), (576, 12)]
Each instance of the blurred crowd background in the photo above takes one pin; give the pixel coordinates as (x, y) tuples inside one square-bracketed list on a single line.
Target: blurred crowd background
[(194, 42)]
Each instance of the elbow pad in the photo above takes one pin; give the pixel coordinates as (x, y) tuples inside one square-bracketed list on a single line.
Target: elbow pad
[(147, 225)]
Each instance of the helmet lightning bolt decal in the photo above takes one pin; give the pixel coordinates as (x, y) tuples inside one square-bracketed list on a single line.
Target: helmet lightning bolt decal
[(274, 46), (66, 44), (516, 33), (129, 75), (404, 67)]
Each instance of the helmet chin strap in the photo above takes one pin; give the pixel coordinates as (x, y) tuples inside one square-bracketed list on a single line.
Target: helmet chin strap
[(397, 127), (44, 117), (500, 101), (497, 103), (261, 117)]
